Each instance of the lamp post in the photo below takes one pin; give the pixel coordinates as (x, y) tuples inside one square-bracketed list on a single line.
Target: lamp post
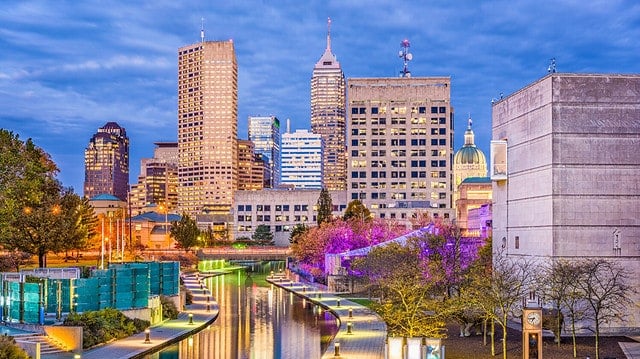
[(147, 335)]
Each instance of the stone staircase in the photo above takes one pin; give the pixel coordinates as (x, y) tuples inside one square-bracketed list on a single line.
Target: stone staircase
[(48, 345)]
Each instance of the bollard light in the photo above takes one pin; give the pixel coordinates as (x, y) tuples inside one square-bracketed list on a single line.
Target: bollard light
[(336, 349), (190, 318), (208, 308), (350, 313), (76, 356), (304, 288), (207, 299), (349, 328), (320, 295), (147, 336), (338, 303), (271, 274)]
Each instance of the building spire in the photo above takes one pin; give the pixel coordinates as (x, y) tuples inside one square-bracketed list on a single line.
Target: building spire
[(329, 34), (202, 29), (469, 137)]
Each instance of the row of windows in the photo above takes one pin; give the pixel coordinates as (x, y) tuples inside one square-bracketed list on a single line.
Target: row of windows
[(397, 110), (398, 131), (399, 174), (277, 207), (399, 142), (278, 218)]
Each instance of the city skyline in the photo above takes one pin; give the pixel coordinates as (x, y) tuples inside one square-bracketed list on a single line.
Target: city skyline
[(68, 68)]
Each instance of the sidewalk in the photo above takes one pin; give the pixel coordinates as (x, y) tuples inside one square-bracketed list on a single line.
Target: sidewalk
[(631, 349), (362, 334), (162, 335)]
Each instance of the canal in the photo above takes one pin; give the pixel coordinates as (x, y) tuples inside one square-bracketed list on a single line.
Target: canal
[(256, 321)]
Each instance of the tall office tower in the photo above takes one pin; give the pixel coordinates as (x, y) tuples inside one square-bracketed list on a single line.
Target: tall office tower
[(106, 162), (158, 180), (264, 132), (207, 127), (302, 160), (251, 167), (401, 145), (328, 117), (565, 165)]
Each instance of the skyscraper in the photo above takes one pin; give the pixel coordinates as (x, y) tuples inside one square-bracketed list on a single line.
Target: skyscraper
[(106, 162), (302, 160), (328, 116), (401, 145), (251, 167), (158, 179), (264, 132), (207, 127)]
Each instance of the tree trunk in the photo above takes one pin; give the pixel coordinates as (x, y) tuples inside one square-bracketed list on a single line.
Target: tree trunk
[(42, 258), (573, 337), (597, 320), (504, 337), (493, 337)]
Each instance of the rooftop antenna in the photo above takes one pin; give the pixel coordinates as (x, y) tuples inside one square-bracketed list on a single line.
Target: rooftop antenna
[(328, 34), (406, 56), (202, 29), (552, 66)]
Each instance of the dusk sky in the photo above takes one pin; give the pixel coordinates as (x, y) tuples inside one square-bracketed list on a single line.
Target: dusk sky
[(68, 67)]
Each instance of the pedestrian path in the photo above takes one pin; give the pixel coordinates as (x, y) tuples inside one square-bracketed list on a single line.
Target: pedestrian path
[(198, 315), (362, 334), (631, 349)]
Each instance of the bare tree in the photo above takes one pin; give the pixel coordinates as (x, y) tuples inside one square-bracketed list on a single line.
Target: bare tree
[(500, 293), (606, 292)]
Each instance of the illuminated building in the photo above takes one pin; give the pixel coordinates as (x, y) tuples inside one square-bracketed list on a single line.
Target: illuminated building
[(106, 162), (302, 160), (251, 167), (264, 132), (328, 117), (401, 146), (207, 127), (158, 179), (469, 161)]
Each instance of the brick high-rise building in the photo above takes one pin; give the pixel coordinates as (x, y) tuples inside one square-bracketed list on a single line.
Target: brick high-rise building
[(207, 127), (106, 162), (328, 118), (401, 146)]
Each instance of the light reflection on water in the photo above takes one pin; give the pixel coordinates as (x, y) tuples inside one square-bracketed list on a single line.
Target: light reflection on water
[(257, 321)]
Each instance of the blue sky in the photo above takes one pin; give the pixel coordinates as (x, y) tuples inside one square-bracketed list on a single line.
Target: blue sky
[(68, 67)]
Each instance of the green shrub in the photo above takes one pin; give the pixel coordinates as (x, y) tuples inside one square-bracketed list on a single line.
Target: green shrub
[(169, 309), (188, 297), (9, 349), (104, 325)]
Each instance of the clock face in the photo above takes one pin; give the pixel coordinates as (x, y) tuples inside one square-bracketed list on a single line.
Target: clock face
[(533, 318)]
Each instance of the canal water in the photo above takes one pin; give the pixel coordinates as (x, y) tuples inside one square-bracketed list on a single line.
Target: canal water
[(256, 321)]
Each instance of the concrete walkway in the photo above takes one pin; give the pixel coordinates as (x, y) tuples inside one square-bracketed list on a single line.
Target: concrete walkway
[(362, 334), (194, 319), (631, 349)]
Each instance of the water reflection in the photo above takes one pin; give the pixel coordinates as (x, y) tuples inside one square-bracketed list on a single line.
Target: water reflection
[(257, 321)]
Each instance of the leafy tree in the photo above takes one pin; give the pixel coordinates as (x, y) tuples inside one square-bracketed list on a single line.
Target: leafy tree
[(263, 235), (9, 349), (325, 207), (185, 232), (356, 210), (606, 290), (409, 305), (79, 224), (297, 231)]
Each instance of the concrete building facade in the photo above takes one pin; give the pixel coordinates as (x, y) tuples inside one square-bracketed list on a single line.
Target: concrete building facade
[(570, 186), (302, 160), (281, 210), (400, 149), (207, 127)]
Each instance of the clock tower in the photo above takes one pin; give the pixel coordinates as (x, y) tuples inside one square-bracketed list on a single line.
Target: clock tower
[(531, 327)]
